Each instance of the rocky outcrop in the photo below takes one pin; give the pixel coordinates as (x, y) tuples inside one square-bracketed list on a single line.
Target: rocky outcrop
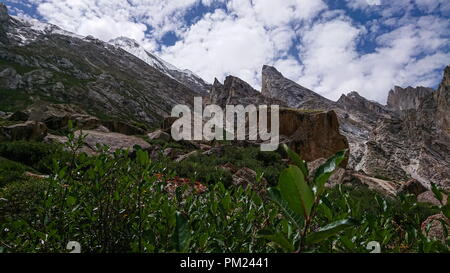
[(385, 187), (4, 21), (400, 99), (314, 135), (114, 141), (246, 178), (353, 102), (428, 197), (159, 135), (235, 91), (433, 227), (30, 130), (412, 187), (276, 86), (443, 103)]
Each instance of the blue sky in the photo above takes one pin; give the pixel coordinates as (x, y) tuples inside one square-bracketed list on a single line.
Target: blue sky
[(329, 46)]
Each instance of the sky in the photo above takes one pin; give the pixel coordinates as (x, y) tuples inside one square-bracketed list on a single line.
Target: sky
[(329, 46)]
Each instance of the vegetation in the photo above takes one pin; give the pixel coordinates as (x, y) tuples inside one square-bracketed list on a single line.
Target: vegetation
[(120, 203)]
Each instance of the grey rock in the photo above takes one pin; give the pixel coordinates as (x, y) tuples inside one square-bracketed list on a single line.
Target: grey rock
[(407, 98), (159, 135)]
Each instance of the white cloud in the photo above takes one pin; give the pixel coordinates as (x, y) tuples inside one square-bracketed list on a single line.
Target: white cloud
[(254, 33), (408, 55), (409, 49)]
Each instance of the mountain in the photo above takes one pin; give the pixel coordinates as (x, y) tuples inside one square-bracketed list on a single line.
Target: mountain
[(113, 85), (41, 62), (407, 98), (275, 85), (185, 77), (406, 139)]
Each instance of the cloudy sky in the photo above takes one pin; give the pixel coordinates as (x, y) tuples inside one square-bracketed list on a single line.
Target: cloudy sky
[(329, 46)]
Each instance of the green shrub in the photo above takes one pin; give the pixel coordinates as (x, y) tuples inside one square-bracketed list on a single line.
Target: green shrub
[(268, 163), (37, 155), (10, 171)]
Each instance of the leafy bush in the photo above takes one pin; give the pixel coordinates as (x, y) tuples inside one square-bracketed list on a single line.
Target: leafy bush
[(37, 155), (207, 166), (120, 203), (10, 171), (200, 172)]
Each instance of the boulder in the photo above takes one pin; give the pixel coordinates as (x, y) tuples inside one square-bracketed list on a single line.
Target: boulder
[(412, 187), (19, 116), (123, 127), (387, 188), (433, 227), (115, 141), (229, 167), (246, 178), (185, 156), (172, 153), (30, 130), (429, 198), (312, 134), (159, 135)]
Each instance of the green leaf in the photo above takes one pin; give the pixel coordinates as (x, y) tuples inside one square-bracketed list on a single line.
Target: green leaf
[(143, 157), (297, 160), (71, 200), (330, 230), (182, 233), (437, 193), (446, 210), (295, 191), (295, 218), (324, 172), (279, 239)]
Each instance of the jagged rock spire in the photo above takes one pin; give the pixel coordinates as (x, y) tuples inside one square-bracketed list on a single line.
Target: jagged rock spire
[(4, 17)]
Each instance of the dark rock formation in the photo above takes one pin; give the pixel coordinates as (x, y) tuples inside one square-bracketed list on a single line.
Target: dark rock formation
[(276, 86), (313, 135), (235, 91), (30, 130)]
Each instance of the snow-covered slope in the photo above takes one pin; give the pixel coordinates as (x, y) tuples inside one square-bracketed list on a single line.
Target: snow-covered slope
[(26, 30), (185, 77)]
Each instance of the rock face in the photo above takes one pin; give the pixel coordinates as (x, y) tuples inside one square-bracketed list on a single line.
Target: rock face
[(185, 77), (443, 103), (246, 178), (30, 130), (314, 135), (433, 227), (275, 86), (4, 18), (115, 141), (400, 99), (235, 91), (385, 141)]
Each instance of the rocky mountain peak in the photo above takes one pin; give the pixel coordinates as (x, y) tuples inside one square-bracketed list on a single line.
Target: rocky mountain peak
[(400, 99), (276, 86), (185, 77), (443, 103), (353, 101), (4, 19), (268, 71)]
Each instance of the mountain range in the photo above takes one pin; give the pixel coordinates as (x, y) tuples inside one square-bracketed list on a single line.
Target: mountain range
[(407, 139)]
